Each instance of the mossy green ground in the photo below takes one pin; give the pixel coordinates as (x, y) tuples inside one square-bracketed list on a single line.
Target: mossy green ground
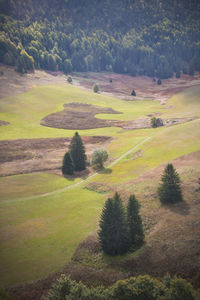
[(39, 236)]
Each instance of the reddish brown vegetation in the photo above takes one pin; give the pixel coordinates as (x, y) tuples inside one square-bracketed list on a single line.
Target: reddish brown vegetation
[(26, 156), (79, 116)]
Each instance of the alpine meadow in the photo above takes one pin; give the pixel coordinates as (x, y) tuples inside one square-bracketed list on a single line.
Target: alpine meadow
[(100, 149)]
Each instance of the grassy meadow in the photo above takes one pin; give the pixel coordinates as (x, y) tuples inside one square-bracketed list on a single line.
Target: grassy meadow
[(39, 236)]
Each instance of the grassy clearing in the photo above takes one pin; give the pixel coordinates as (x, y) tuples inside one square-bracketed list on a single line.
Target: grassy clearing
[(162, 147), (25, 111), (184, 104), (39, 236)]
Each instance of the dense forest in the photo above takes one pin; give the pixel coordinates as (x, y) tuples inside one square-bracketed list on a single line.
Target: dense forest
[(138, 37)]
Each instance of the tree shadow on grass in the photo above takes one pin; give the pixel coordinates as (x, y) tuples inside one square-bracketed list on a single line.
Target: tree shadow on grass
[(104, 171), (181, 208)]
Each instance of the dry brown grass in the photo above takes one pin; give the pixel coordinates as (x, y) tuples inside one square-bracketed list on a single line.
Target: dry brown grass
[(122, 85), (32, 155), (79, 116)]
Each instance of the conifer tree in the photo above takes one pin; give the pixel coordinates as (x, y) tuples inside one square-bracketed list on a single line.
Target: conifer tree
[(77, 152), (113, 234), (106, 221), (169, 190), (67, 166), (134, 222)]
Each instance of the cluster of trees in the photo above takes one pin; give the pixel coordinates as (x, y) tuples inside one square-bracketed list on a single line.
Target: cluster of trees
[(146, 37), (75, 158), (140, 288), (120, 229)]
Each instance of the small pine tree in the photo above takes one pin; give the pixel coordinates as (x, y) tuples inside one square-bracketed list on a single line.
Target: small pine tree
[(77, 152), (69, 79), (95, 88), (133, 93), (159, 82), (178, 74), (169, 190), (134, 222), (67, 166), (153, 122), (113, 234)]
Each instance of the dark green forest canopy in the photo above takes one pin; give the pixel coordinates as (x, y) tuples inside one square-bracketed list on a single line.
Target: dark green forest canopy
[(145, 37)]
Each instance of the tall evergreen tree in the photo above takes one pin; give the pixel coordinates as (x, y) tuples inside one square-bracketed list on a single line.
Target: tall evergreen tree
[(106, 226), (134, 222), (67, 166), (77, 151), (113, 234), (169, 190)]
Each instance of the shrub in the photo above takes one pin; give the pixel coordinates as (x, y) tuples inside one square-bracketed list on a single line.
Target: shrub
[(69, 79), (99, 156), (159, 82), (95, 88), (133, 93), (156, 122), (134, 288)]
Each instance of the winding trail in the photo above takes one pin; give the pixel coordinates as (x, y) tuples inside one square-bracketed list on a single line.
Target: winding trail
[(78, 183)]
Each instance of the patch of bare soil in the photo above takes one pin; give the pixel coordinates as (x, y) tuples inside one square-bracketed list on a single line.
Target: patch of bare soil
[(79, 116), (12, 83), (122, 85), (3, 123), (82, 116), (33, 155)]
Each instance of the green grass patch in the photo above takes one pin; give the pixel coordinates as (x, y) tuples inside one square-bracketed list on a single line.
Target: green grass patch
[(39, 236), (25, 111), (26, 185)]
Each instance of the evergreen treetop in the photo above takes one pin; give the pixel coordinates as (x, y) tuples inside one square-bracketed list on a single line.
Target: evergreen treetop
[(169, 190), (67, 166), (134, 222), (113, 234), (77, 152)]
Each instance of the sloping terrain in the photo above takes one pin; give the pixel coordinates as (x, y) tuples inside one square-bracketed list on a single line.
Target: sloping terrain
[(40, 235)]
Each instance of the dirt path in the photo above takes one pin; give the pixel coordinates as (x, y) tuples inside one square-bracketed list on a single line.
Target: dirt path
[(78, 183)]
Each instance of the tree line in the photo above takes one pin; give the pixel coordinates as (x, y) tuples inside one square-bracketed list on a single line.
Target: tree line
[(134, 288), (153, 38)]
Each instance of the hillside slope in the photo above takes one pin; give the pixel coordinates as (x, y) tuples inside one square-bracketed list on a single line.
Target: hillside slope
[(154, 37)]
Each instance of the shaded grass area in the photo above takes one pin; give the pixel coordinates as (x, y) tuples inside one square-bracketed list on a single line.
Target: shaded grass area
[(39, 236)]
